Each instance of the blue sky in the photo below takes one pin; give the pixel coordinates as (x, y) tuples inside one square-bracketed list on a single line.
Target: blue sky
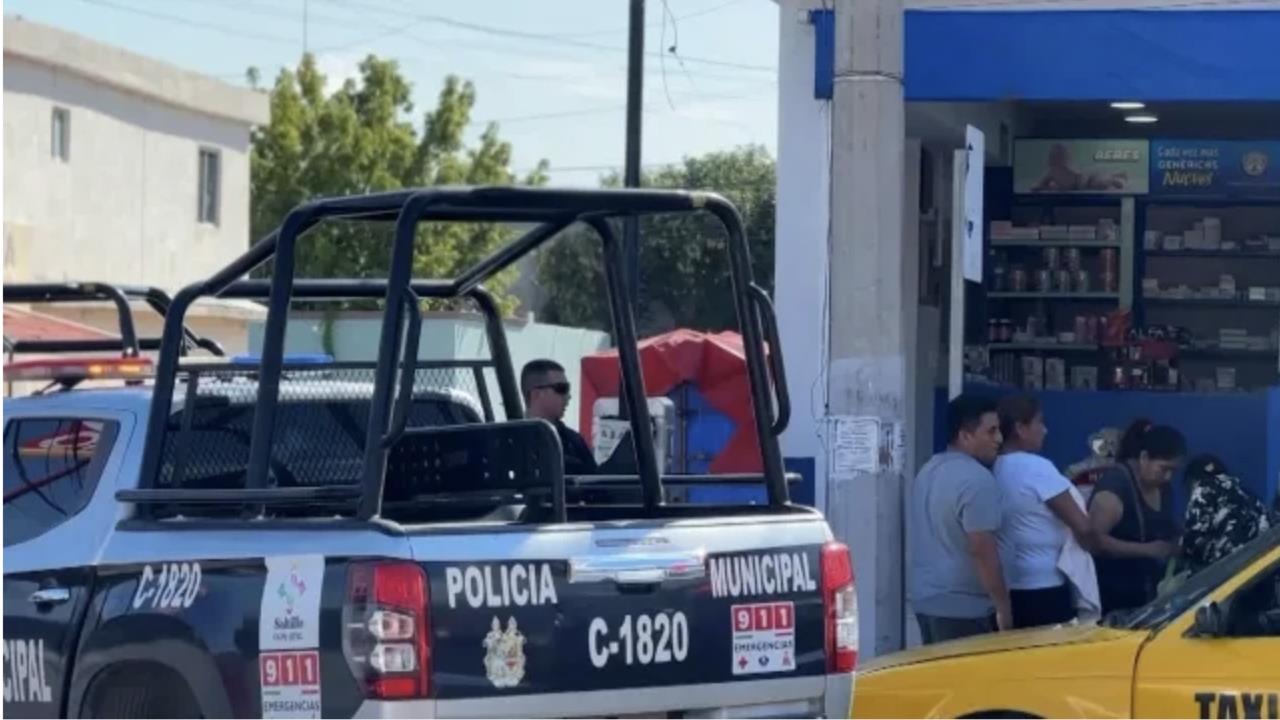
[(552, 72)]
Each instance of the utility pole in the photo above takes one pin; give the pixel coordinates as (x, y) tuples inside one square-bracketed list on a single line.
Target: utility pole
[(873, 296), (635, 105)]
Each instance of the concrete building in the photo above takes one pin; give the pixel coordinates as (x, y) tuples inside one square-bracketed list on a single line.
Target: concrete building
[(120, 168)]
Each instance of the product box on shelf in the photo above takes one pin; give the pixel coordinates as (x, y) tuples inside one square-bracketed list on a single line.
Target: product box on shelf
[(1108, 230), (1032, 373), (1055, 374), (1082, 232), (1055, 232), (1226, 378), (1212, 233), (1193, 239), (1084, 377)]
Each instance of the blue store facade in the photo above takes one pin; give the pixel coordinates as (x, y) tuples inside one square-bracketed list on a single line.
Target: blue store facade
[(1181, 244)]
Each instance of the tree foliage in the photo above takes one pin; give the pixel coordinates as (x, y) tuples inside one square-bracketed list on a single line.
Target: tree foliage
[(683, 258), (360, 138)]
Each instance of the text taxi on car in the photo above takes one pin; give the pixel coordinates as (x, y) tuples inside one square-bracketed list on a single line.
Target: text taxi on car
[(1209, 648)]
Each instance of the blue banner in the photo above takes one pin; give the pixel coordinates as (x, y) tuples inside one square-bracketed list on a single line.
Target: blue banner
[(1215, 168)]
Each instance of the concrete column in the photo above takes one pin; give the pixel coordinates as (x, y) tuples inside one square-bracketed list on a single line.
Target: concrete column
[(872, 278)]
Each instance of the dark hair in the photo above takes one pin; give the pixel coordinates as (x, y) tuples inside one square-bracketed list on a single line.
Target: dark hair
[(1159, 442), (965, 414), (1202, 467), (1016, 410), (534, 372)]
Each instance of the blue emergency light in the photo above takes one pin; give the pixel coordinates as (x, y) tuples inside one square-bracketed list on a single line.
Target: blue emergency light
[(289, 359)]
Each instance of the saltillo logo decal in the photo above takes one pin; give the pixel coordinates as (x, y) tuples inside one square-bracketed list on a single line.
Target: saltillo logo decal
[(290, 613), (504, 654), (291, 589)]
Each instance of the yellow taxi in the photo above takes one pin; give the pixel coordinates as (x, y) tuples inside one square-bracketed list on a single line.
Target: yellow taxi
[(1208, 649)]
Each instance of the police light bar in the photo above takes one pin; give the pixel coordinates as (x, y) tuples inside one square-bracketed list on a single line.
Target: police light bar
[(74, 370)]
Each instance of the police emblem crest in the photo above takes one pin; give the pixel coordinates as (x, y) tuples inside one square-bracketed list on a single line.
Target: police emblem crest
[(1255, 163), (504, 654)]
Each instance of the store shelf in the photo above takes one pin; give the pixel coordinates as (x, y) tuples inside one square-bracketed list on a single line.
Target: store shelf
[(1211, 302), (1069, 200), (1086, 297), (1225, 255), (1234, 354), (1041, 347), (1198, 202), (1100, 244)]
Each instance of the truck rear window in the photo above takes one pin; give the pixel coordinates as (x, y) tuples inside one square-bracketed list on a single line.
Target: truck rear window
[(319, 437), (51, 467)]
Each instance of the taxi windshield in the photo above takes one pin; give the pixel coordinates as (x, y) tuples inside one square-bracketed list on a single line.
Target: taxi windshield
[(1182, 598)]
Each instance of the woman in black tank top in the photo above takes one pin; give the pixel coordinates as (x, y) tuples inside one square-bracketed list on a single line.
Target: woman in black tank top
[(1131, 509)]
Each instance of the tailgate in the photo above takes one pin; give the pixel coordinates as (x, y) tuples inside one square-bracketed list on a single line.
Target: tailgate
[(581, 608)]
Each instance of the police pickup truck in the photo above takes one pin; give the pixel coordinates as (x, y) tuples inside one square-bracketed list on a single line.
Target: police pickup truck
[(280, 538)]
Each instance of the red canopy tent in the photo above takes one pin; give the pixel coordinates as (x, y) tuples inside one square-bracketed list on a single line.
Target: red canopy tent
[(714, 363)]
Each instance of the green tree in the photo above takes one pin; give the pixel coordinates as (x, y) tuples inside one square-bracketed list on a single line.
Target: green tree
[(360, 139), (683, 260)]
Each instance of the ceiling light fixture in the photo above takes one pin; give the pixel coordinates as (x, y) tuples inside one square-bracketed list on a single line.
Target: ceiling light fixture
[(1141, 119), (1128, 105)]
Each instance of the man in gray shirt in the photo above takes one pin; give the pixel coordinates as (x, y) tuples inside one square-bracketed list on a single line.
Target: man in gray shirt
[(956, 583)]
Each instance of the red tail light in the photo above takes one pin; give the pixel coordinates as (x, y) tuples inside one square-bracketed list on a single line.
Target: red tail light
[(386, 630), (840, 602)]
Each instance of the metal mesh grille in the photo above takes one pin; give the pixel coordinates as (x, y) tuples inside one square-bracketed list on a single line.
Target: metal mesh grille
[(320, 425)]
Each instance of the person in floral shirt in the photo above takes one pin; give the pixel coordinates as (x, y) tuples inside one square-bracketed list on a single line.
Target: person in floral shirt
[(1221, 514)]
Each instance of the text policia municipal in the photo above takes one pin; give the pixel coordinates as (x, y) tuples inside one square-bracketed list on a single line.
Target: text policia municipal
[(762, 574), (499, 586)]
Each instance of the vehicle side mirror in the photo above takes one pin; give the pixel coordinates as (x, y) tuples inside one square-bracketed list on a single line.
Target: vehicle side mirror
[(1211, 621), (1271, 623)]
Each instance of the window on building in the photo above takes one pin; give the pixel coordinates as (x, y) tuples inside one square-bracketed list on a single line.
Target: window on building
[(210, 185), (60, 131), (51, 468)]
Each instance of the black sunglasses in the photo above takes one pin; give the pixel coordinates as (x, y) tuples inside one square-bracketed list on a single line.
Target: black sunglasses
[(560, 388)]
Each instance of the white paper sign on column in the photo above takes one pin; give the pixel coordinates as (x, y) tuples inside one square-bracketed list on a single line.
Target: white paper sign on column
[(856, 445), (975, 152)]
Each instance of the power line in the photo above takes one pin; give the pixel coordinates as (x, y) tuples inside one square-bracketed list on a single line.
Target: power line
[(687, 16), (538, 37), (179, 20), (386, 32), (551, 115)]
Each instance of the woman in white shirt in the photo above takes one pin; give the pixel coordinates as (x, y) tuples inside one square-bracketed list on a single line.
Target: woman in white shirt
[(1039, 511)]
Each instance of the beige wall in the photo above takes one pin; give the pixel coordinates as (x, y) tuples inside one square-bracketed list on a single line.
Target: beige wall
[(227, 324), (124, 208)]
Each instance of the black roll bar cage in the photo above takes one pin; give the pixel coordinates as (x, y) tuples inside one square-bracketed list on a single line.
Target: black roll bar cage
[(550, 211), (128, 344)]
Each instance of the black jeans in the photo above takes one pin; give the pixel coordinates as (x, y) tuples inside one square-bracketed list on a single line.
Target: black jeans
[(1043, 606), (934, 629)]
